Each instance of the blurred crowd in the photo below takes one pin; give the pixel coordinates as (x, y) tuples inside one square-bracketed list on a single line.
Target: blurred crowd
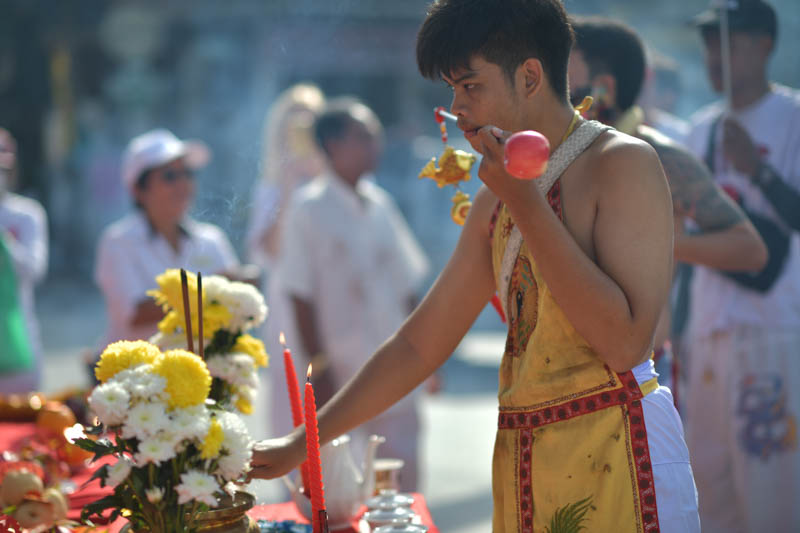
[(341, 268)]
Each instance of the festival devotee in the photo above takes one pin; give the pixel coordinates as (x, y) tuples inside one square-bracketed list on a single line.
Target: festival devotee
[(290, 159), (158, 171), (581, 258), (352, 267), (744, 331), (23, 263), (608, 61)]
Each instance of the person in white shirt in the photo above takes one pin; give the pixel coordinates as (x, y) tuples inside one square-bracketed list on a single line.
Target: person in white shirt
[(352, 267), (23, 230), (158, 171), (744, 330)]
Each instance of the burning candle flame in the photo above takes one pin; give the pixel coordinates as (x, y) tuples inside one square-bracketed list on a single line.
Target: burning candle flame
[(308, 373), (282, 339)]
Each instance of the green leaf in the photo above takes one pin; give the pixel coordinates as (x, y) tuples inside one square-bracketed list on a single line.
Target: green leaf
[(570, 518), (101, 474), (93, 445), (96, 508)]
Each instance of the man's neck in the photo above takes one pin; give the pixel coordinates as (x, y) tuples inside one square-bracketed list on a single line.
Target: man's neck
[(744, 97), (553, 123), (171, 231), (348, 181)]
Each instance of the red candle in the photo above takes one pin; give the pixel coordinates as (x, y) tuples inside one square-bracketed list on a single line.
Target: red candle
[(294, 401), (313, 459)]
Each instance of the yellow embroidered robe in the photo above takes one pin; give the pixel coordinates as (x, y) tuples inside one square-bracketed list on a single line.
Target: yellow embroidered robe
[(571, 446)]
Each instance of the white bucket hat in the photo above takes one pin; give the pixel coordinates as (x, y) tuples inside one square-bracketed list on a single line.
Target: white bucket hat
[(157, 147)]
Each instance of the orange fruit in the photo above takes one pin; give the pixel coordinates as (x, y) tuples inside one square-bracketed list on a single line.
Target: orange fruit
[(54, 418)]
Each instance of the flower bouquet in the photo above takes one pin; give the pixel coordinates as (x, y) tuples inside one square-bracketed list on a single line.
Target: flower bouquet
[(229, 310), (176, 455)]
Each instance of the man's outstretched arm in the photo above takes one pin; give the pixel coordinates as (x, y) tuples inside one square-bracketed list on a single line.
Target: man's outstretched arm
[(405, 360)]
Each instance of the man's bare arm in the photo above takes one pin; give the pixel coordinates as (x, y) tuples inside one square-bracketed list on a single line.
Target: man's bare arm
[(422, 344), (147, 312), (727, 240)]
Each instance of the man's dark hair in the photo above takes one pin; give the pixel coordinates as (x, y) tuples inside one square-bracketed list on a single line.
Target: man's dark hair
[(611, 47), (334, 119), (503, 32)]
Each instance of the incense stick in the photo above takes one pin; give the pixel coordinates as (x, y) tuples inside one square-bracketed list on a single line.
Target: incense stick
[(187, 312), (200, 315)]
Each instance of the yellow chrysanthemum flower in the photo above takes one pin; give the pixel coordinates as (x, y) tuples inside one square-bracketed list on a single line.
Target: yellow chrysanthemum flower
[(213, 441), (170, 323), (188, 379), (122, 355), (244, 406), (215, 317), (169, 294), (252, 347)]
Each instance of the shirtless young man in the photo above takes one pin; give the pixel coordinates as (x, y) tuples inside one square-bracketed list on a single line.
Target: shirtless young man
[(583, 268)]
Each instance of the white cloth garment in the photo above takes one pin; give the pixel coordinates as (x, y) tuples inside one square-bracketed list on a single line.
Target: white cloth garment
[(131, 254), (743, 350), (676, 495), (25, 221), (742, 429), (351, 253)]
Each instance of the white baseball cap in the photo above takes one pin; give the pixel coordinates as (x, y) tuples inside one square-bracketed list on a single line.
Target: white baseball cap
[(158, 147)]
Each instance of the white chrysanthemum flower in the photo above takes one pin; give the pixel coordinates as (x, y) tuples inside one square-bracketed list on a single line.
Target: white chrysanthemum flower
[(248, 394), (154, 494), (242, 300), (242, 370), (145, 420), (191, 422), (197, 485), (171, 341), (236, 446), (219, 367), (231, 465), (109, 402), (154, 450), (118, 472), (141, 382)]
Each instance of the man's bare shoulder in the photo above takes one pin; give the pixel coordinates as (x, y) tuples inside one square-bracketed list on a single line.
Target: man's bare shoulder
[(616, 158)]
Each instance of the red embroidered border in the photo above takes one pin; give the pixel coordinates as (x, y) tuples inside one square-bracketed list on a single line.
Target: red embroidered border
[(629, 395), (525, 481)]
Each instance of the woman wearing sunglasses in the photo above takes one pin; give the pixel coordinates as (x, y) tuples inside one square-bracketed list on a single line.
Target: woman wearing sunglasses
[(157, 169)]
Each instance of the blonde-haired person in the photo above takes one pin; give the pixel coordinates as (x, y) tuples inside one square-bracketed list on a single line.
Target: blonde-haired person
[(290, 159)]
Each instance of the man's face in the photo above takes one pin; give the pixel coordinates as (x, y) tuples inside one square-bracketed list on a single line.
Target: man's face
[(749, 54), (358, 150), (483, 95)]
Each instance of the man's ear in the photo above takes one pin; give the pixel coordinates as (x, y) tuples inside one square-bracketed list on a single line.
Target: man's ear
[(530, 76)]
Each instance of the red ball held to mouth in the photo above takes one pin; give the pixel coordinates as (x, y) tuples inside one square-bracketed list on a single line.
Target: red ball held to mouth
[(525, 154)]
